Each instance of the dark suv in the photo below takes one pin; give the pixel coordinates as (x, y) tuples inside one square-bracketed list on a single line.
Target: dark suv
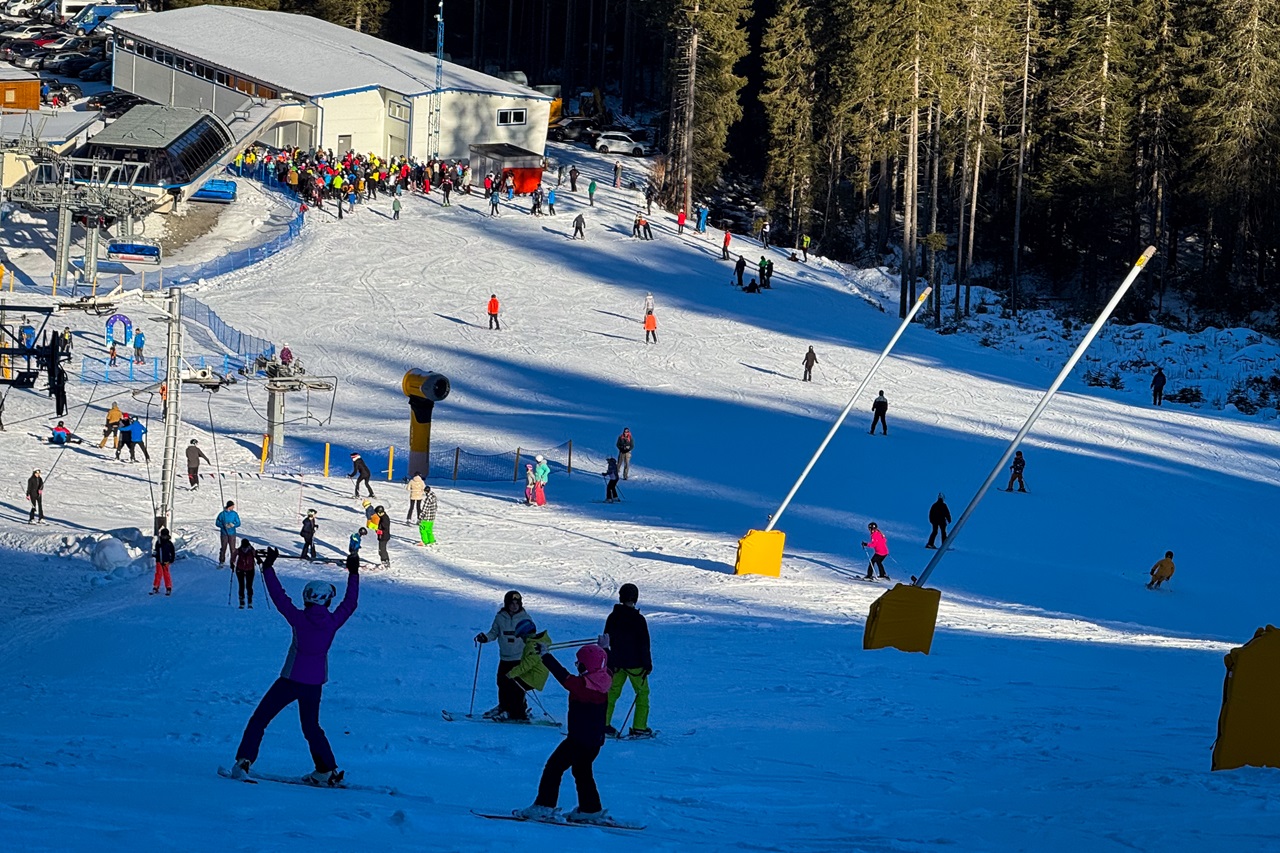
[(571, 127)]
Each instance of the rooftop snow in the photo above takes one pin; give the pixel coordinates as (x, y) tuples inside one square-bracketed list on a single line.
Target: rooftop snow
[(305, 55), (48, 126)]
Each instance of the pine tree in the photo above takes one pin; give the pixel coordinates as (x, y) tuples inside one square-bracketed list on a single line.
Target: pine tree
[(722, 43), (363, 16), (788, 98)]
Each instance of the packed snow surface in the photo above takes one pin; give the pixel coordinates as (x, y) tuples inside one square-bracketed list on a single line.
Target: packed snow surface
[(1064, 706)]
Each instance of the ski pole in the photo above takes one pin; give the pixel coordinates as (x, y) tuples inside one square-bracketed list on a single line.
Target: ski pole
[(475, 681), (623, 727), (534, 695), (231, 583), (571, 644)]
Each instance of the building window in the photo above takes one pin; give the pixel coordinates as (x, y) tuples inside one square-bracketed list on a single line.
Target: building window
[(148, 51), (222, 78), (398, 110), (10, 96), (509, 117)]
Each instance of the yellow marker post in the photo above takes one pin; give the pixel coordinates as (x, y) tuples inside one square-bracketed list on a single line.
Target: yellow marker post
[(326, 459), (391, 458), (266, 445)]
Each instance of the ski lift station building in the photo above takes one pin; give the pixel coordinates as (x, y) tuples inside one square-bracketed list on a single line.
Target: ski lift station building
[(297, 80)]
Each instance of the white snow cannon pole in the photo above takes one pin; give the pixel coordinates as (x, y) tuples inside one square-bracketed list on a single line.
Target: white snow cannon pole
[(172, 420), (760, 551), (424, 389), (1037, 411)]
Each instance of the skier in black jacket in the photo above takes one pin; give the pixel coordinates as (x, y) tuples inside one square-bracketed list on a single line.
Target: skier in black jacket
[(360, 471), (739, 268), (879, 408), (630, 659), (165, 554), (309, 526), (939, 517)]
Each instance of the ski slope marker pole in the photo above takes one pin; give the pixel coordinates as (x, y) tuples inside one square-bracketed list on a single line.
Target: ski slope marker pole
[(773, 519), (1036, 412)]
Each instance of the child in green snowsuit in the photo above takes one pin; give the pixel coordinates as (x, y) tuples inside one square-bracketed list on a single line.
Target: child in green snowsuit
[(531, 673)]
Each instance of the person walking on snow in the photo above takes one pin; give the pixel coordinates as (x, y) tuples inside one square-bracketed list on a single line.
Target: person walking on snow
[(680, 220), (427, 517), (1018, 466), (588, 695), (551, 201), (739, 268), (493, 308), (591, 192), (530, 484), (417, 491), (650, 326), (764, 235), (804, 247), (395, 207), (35, 495), (541, 474), (611, 481), (939, 517), (648, 302), (630, 659), (494, 200), (880, 550), (579, 228), (573, 179), (879, 408), (194, 455), (617, 174), (306, 669), (361, 472), (112, 428), (810, 359), (1157, 387), (511, 703), (308, 533), (625, 444), (165, 554), (1161, 571), (724, 252), (139, 341), (246, 561), (228, 523), (384, 536)]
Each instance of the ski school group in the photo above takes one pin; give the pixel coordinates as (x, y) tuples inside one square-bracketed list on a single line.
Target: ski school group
[(603, 665)]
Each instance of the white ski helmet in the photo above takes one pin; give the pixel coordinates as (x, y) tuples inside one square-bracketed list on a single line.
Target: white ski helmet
[(318, 592)]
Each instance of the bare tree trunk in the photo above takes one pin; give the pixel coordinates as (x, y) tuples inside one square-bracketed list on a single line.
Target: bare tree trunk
[(910, 192), (973, 196), (1022, 160), (511, 17), (962, 196), (935, 166), (566, 69), (628, 59), (477, 26)]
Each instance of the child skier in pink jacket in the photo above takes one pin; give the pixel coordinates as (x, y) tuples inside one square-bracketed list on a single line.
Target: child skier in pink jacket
[(880, 550)]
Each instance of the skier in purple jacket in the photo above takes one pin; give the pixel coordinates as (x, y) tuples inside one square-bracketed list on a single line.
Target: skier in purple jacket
[(306, 668)]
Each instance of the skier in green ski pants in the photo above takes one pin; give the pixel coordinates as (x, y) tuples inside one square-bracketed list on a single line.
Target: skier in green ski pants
[(427, 517), (630, 659)]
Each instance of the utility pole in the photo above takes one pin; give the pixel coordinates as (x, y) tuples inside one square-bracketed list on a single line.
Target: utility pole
[(433, 132), (173, 387)]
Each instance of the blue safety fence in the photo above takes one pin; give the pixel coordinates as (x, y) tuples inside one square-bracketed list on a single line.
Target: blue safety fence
[(230, 337), (97, 370), (459, 464)]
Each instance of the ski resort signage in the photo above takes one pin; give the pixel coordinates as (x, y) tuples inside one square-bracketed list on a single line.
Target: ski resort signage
[(134, 251)]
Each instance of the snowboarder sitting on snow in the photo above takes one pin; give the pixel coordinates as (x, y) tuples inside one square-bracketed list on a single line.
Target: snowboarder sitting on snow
[(630, 659), (611, 481), (880, 550), (245, 563), (752, 287), (306, 669), (1161, 571), (511, 704), (939, 517), (587, 698), (60, 434), (1018, 466)]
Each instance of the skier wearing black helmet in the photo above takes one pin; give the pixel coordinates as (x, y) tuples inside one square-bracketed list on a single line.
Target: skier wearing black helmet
[(505, 629), (194, 455), (879, 550), (630, 659), (306, 669), (939, 517)]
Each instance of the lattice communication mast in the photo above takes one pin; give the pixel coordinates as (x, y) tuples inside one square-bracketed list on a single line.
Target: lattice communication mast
[(433, 131)]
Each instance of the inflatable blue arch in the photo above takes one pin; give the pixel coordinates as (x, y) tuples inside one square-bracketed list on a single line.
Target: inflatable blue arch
[(128, 329)]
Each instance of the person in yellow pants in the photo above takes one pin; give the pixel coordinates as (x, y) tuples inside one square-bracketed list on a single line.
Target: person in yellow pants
[(630, 659)]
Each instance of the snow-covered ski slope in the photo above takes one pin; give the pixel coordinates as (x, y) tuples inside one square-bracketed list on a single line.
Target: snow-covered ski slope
[(1064, 706)]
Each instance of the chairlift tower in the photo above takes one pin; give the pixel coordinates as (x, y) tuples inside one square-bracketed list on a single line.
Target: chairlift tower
[(433, 131)]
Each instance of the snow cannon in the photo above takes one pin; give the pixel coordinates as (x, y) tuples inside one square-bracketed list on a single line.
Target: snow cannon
[(903, 619), (424, 389), (1247, 734), (760, 553)]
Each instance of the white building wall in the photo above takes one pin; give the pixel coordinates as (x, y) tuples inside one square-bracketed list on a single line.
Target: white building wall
[(358, 115), (467, 119)]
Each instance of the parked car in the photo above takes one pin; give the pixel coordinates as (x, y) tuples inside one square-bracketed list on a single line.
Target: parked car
[(20, 8), (571, 127), (16, 49), (119, 108), (66, 92), (619, 143), (100, 70), (636, 134), (103, 100), (69, 66), (34, 59)]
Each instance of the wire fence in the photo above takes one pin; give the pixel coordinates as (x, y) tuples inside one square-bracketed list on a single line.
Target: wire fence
[(459, 464)]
